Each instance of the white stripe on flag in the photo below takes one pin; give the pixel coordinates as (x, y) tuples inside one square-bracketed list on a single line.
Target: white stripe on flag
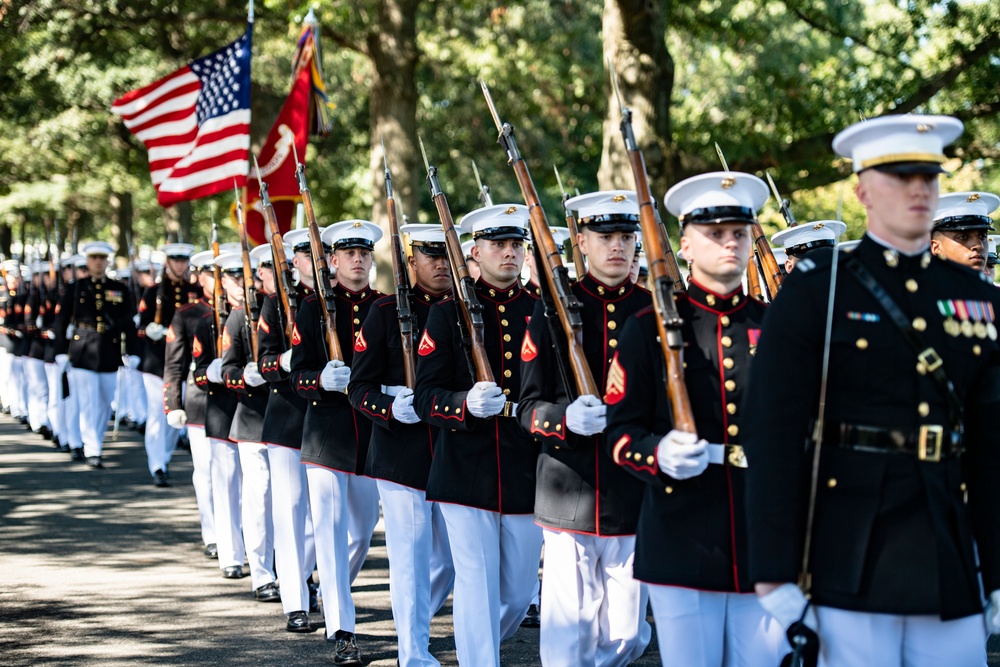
[(224, 172), (140, 104), (180, 103)]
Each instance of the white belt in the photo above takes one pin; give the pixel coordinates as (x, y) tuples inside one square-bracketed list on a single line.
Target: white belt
[(732, 455), (392, 390)]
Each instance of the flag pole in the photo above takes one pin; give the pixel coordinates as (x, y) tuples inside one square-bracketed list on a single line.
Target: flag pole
[(250, 12)]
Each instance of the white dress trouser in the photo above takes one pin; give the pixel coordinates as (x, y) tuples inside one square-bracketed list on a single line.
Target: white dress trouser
[(344, 509), (38, 393), (201, 479), (137, 399), (258, 530), (860, 639), (94, 392), (52, 409), (714, 629), (71, 412), (295, 550), (19, 384), (594, 611), (421, 574), (496, 567), (227, 485), (161, 437), (6, 381)]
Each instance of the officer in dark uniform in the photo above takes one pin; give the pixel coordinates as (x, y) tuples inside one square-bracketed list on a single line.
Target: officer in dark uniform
[(99, 310), (239, 373), (68, 408), (191, 337), (961, 227), (39, 313), (483, 472), (691, 541), (343, 502), (295, 549), (190, 414), (17, 326), (156, 310), (595, 612), (399, 457), (6, 337), (906, 490)]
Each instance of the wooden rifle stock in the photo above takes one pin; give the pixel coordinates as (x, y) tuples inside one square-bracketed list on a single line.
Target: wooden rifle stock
[(773, 275), (404, 311), (250, 308), (218, 297), (578, 260), (753, 277), (321, 272), (469, 308), (283, 283), (552, 271), (664, 275)]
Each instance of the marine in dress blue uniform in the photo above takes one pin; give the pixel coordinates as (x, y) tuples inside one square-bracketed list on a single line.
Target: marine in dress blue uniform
[(962, 226)]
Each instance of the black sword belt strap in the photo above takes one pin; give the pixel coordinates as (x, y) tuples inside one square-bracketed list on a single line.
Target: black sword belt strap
[(926, 354)]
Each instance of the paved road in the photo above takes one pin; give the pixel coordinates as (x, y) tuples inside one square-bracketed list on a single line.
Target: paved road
[(99, 568)]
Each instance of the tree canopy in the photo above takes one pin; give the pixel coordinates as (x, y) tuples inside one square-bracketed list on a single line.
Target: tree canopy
[(771, 82)]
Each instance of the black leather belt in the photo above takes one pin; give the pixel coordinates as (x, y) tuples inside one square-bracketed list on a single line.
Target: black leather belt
[(86, 326), (930, 442)]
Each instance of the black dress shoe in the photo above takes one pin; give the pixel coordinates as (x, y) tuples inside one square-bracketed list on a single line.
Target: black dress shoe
[(77, 454), (45, 432), (55, 442), (533, 619), (183, 443), (347, 651), (298, 621), (63, 447), (160, 479), (95, 462), (211, 551), (141, 428), (233, 572), (267, 593), (313, 596)]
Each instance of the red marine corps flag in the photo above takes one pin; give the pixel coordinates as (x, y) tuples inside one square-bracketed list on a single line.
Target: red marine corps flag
[(195, 124), (306, 101)]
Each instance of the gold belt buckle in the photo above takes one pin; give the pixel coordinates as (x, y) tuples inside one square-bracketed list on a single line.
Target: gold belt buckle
[(929, 442), (101, 328), (508, 409), (930, 359), (736, 457)]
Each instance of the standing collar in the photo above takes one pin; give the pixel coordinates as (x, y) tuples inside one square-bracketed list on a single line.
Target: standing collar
[(496, 293), (595, 286), (720, 303), (421, 294), (351, 295)]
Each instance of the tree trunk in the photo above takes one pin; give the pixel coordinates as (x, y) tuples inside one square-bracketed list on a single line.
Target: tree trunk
[(121, 227), (392, 48), (6, 237), (185, 221), (634, 40)]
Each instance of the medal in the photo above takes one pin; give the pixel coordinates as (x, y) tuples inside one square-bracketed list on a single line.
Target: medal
[(952, 328), (967, 328), (980, 329), (991, 330)]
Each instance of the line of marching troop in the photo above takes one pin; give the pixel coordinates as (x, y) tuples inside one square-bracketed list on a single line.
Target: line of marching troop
[(294, 454)]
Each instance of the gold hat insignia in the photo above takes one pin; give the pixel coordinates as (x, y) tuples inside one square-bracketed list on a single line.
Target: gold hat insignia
[(358, 224), (974, 197), (819, 225), (510, 210), (728, 182), (618, 198), (925, 127)]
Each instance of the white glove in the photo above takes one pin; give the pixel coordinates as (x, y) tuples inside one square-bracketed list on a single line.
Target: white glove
[(154, 331), (135, 318), (214, 371), (131, 361), (681, 455), (485, 400), (285, 360), (177, 418), (252, 376), (402, 407), (786, 604), (18, 334), (39, 322), (62, 361), (586, 415), (50, 334), (335, 376), (993, 613)]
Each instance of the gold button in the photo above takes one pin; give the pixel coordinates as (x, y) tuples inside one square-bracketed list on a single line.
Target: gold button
[(731, 408), (612, 325), (832, 482), (507, 373), (650, 460), (911, 285), (446, 408), (638, 456), (668, 490), (502, 308), (728, 363), (736, 300), (611, 307), (383, 410), (558, 427), (536, 422), (545, 425), (919, 323), (613, 343), (435, 407), (506, 392), (709, 299), (727, 341), (733, 430), (861, 343), (493, 292), (357, 321), (724, 320), (504, 323), (924, 408), (730, 385), (508, 355), (600, 290), (963, 487), (976, 350), (356, 308), (506, 338)]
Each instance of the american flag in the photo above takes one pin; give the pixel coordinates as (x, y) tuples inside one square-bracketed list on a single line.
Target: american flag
[(195, 124)]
